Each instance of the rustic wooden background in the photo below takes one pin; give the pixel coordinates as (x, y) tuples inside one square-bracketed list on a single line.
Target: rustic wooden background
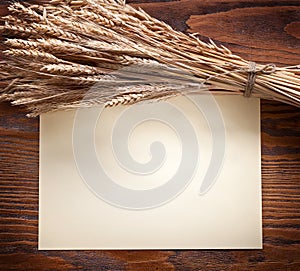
[(261, 30)]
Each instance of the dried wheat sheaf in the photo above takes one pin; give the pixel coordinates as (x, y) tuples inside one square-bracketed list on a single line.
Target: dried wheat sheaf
[(71, 53)]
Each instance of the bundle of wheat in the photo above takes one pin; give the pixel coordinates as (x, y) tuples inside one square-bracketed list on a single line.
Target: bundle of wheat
[(57, 52)]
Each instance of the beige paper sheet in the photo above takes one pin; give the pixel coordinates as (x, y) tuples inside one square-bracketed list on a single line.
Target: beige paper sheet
[(227, 215)]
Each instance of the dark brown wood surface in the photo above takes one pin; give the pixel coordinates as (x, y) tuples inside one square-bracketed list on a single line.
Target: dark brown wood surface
[(261, 30)]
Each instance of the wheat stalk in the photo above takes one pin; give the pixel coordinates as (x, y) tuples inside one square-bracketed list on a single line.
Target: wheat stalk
[(32, 54), (71, 53)]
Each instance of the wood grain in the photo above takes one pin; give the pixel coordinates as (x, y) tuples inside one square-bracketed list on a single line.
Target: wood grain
[(265, 31)]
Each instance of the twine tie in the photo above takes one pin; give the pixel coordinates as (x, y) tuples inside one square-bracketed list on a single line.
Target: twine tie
[(252, 72)]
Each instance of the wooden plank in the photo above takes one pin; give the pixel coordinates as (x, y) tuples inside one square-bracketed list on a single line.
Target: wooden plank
[(262, 30)]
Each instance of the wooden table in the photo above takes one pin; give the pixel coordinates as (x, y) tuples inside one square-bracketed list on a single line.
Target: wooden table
[(261, 30)]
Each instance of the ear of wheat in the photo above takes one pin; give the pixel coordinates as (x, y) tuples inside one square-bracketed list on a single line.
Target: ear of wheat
[(57, 52)]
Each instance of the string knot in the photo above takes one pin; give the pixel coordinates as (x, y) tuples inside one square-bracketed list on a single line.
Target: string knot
[(252, 72)]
